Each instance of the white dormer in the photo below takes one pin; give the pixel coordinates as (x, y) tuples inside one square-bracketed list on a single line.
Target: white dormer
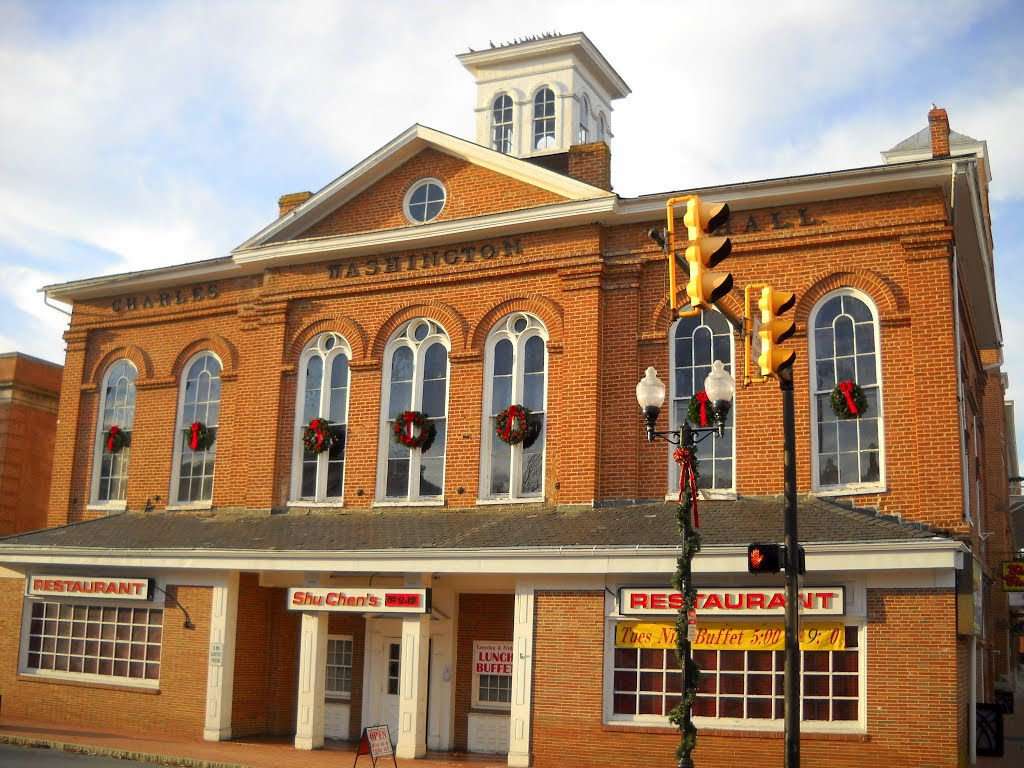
[(542, 95)]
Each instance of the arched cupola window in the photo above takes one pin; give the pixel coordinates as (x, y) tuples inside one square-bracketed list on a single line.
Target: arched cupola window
[(584, 130), (501, 121), (544, 119)]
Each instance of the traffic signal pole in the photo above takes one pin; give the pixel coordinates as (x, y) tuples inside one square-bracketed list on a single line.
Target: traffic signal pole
[(792, 542)]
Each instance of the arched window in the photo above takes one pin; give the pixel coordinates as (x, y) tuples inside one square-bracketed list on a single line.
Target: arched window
[(601, 131), (848, 453), (415, 379), (544, 119), (199, 405), (501, 120), (117, 415), (696, 343), (584, 132), (322, 394), (515, 366)]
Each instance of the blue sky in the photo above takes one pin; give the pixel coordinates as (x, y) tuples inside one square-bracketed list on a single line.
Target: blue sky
[(141, 134)]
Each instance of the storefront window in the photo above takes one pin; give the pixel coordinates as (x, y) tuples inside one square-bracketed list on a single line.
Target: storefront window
[(88, 640), (339, 667), (492, 675)]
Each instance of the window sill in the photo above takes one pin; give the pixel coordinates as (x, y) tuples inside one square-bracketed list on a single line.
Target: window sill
[(337, 699), (201, 506), (480, 709), (407, 503), (707, 493), (850, 490), (119, 506), (755, 730), (302, 504), (500, 502), (149, 689)]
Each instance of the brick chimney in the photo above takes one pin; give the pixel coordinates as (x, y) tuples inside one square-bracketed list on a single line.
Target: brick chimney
[(938, 125), (288, 202), (591, 164)]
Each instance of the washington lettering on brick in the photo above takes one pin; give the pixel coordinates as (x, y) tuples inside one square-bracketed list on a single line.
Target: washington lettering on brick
[(377, 265)]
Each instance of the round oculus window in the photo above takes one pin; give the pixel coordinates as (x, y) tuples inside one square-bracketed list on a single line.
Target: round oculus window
[(424, 201)]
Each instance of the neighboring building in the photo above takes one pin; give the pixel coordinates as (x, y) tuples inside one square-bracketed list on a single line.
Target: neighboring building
[(469, 592), (29, 391)]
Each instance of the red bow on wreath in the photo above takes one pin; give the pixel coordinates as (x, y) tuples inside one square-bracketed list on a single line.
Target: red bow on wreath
[(320, 432), (193, 443), (846, 387), (112, 438), (703, 400), (685, 460)]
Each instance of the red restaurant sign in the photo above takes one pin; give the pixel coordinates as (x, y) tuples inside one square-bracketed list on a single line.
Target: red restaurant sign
[(731, 601), (359, 600), (492, 658), (107, 587)]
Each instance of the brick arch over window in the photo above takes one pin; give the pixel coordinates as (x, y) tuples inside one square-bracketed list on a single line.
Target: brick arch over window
[(448, 317), (142, 362), (219, 346), (549, 312), (888, 299), (352, 331), (661, 319)]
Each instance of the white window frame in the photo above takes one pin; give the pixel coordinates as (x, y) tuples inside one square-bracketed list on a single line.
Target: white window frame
[(539, 124), (602, 130), (502, 130), (504, 329), (407, 201), (327, 346), (584, 121), (340, 695), (847, 488), (180, 438), (707, 447), (405, 337), (104, 679), (123, 459)]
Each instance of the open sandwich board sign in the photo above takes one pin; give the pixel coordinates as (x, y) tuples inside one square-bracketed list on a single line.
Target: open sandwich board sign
[(375, 742)]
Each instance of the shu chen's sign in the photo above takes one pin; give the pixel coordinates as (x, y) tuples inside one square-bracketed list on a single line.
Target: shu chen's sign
[(731, 601), (105, 587), (359, 600)]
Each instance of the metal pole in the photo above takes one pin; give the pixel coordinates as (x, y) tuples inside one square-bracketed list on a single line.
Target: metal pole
[(686, 442), (792, 542)]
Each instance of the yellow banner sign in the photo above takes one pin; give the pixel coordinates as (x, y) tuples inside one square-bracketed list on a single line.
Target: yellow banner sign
[(1013, 576), (814, 636)]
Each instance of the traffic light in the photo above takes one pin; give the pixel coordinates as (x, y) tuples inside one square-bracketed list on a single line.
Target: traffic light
[(765, 558), (704, 252), (775, 330)]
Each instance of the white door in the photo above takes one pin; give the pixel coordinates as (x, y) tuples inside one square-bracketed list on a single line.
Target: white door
[(389, 700)]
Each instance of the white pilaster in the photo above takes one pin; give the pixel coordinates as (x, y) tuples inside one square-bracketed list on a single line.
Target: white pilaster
[(221, 660), (309, 726), (522, 675)]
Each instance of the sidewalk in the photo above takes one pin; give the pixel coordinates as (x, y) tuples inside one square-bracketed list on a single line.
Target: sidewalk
[(255, 752), (1013, 739)]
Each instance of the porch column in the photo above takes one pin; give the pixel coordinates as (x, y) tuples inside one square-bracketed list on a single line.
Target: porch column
[(412, 707), (522, 674), (309, 725), (221, 661)]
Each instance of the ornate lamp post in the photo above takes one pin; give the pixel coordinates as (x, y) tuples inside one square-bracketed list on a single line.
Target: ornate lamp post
[(650, 394)]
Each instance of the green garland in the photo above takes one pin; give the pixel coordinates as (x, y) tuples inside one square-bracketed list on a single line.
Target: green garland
[(317, 437), (694, 407), (115, 439), (513, 425), (420, 420), (848, 400)]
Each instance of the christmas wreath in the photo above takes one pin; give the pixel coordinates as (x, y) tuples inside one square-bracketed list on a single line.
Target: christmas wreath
[(317, 436), (404, 432), (698, 412), (848, 400), (513, 424), (115, 439), (198, 436)]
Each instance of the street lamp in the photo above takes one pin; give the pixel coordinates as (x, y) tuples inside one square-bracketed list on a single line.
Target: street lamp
[(650, 394)]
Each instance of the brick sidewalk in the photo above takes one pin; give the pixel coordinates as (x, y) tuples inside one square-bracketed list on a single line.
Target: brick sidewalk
[(255, 752)]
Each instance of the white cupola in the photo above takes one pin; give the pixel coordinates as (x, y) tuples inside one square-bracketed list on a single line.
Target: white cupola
[(542, 95)]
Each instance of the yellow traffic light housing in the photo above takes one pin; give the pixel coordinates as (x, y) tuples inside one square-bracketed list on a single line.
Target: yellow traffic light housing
[(775, 330), (704, 252)]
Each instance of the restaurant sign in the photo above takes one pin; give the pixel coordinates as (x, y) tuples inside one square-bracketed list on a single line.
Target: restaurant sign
[(1013, 576), (359, 600), (731, 601), (106, 587), (814, 636)]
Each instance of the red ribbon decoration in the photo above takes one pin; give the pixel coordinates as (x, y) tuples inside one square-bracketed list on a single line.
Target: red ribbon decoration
[(703, 400), (194, 443), (321, 434), (513, 414), (846, 387), (685, 461), (112, 435)]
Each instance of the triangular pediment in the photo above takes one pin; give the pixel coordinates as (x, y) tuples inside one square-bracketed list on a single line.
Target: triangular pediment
[(369, 197)]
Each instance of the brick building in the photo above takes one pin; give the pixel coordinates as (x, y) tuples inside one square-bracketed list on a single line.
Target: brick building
[(29, 391), (487, 597)]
